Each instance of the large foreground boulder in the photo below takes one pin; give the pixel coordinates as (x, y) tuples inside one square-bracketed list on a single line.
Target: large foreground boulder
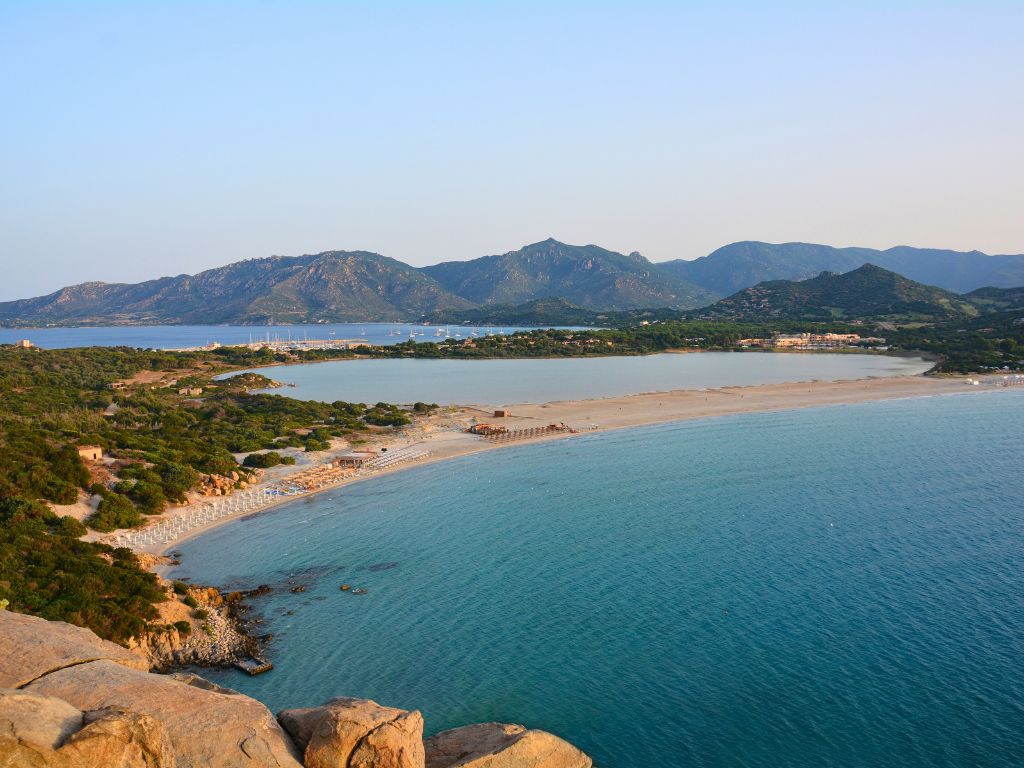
[(498, 745), (31, 647), (203, 728), (45, 732), (356, 733)]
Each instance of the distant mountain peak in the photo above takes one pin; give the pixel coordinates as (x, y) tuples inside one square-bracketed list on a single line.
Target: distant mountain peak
[(587, 275), (869, 291), (748, 262)]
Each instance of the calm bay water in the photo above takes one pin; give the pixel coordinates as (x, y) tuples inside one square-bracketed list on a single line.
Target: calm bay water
[(178, 336), (829, 587), (538, 380)]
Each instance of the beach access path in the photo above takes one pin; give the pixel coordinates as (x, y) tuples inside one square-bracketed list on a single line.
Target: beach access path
[(442, 438)]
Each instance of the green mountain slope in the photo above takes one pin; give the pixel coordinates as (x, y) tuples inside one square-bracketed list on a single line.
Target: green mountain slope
[(585, 275), (741, 265), (866, 292), (990, 299)]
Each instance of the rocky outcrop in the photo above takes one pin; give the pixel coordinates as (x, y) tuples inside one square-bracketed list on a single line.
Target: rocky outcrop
[(499, 745), (45, 732), (31, 647), (224, 485), (212, 729), (217, 637), (71, 700), (39, 721), (356, 733)]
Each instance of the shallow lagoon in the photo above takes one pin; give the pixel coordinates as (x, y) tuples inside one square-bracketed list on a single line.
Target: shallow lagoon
[(503, 382)]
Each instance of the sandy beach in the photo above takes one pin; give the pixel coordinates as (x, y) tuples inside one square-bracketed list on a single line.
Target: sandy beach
[(443, 437)]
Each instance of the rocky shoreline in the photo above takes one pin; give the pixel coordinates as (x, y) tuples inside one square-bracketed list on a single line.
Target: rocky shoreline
[(71, 700), (199, 626)]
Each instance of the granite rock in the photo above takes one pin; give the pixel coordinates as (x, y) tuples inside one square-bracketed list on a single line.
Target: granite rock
[(206, 728), (356, 733), (31, 647), (501, 745)]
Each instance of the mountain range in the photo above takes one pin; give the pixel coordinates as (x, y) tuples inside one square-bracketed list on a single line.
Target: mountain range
[(355, 286), (741, 265)]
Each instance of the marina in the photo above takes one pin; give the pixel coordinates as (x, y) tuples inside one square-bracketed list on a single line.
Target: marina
[(212, 336)]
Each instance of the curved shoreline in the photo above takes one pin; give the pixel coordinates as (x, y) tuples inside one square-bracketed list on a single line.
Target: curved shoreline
[(607, 414)]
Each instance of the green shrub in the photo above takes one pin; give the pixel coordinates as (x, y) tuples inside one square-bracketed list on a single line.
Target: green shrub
[(115, 511), (176, 480), (148, 497), (190, 601), (70, 528), (184, 627), (180, 587), (46, 571), (199, 613), (262, 460)]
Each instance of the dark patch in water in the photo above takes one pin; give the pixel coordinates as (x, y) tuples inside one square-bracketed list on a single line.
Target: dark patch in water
[(381, 567)]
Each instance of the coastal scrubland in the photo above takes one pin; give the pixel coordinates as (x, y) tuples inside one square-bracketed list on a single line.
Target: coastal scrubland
[(166, 421), (159, 439)]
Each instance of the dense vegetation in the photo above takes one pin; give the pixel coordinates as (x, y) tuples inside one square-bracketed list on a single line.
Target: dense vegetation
[(549, 312), (959, 345), (868, 292), (57, 400), (161, 441), (982, 344), (46, 571)]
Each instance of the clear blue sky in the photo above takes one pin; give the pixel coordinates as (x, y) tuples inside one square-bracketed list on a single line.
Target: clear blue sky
[(144, 139)]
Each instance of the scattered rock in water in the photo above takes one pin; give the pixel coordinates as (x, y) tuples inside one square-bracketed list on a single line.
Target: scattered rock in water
[(298, 588), (345, 587), (359, 591), (262, 589), (381, 567)]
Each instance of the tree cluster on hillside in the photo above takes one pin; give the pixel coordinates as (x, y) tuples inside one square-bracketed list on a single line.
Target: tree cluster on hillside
[(47, 571), (56, 400)]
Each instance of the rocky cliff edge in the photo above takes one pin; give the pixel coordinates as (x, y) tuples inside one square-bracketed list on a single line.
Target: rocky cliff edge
[(71, 700)]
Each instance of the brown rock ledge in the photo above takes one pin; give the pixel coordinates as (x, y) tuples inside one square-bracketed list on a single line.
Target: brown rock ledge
[(31, 647), (500, 745), (356, 733)]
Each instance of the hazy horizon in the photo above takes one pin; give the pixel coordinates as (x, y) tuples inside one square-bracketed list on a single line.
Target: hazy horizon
[(150, 140)]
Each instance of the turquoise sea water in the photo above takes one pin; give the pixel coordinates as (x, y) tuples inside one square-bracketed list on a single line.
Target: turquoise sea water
[(504, 382), (837, 586)]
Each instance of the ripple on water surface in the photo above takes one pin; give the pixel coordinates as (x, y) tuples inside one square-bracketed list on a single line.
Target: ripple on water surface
[(839, 586)]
